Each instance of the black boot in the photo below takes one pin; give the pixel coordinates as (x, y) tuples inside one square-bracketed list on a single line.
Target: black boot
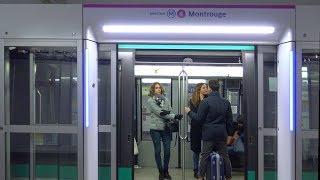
[(167, 175), (195, 173), (161, 175)]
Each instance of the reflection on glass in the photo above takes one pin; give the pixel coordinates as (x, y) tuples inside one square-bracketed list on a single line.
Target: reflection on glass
[(270, 157), (310, 159), (104, 155), (54, 75), (144, 98), (269, 90), (20, 156), (19, 80), (310, 113), (55, 156), (56, 85), (104, 85), (310, 91)]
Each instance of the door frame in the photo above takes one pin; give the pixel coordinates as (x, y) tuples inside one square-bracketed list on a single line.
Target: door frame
[(32, 128), (2, 124), (248, 111)]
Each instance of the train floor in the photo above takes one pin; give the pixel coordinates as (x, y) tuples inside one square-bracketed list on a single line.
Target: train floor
[(149, 173)]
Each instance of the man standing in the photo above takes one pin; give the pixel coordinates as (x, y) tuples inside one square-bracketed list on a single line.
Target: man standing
[(215, 117)]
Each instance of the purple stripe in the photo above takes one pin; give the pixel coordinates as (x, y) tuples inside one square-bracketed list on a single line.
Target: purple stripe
[(253, 6)]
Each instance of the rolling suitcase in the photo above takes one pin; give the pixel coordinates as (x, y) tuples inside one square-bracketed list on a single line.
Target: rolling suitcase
[(216, 167)]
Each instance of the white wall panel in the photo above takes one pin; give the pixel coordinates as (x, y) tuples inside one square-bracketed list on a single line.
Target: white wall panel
[(308, 26), (286, 143), (281, 18), (41, 21), (91, 110), (301, 2)]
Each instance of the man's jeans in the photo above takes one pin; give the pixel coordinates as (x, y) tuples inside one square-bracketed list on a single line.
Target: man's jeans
[(219, 147), (196, 161), (166, 137)]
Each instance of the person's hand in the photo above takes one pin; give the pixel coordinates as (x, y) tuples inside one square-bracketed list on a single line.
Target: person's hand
[(187, 109), (230, 140), (164, 112), (178, 116)]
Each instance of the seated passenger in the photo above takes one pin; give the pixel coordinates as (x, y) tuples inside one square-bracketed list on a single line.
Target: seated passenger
[(236, 142)]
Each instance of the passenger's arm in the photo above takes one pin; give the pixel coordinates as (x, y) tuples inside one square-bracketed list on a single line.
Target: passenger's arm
[(201, 115), (154, 108)]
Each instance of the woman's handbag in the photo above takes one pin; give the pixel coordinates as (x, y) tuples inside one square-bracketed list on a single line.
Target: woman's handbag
[(171, 125), (135, 147)]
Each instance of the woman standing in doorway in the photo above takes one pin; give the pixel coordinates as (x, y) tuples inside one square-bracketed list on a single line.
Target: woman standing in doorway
[(160, 110), (201, 91)]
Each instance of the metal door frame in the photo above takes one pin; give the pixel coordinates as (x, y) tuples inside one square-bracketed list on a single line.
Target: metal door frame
[(60, 129), (2, 127), (262, 132), (300, 134)]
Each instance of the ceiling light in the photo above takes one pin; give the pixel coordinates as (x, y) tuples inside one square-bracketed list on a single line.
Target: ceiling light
[(188, 29), (153, 80)]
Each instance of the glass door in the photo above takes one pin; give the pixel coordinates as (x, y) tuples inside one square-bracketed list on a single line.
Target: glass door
[(267, 113), (43, 116), (307, 138), (107, 89)]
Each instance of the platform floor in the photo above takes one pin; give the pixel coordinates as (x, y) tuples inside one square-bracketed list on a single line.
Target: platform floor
[(149, 173)]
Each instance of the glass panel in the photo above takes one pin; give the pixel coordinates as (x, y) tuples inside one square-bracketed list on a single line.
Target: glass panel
[(104, 114), (104, 140), (230, 90), (270, 157), (310, 90), (310, 113), (145, 86), (310, 159), (56, 85), (270, 90), (104, 85), (20, 156), (55, 156), (19, 80)]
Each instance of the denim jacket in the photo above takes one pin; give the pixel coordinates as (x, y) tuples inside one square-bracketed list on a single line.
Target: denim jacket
[(155, 105)]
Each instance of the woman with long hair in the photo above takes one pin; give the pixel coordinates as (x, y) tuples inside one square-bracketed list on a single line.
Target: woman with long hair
[(160, 110), (198, 95)]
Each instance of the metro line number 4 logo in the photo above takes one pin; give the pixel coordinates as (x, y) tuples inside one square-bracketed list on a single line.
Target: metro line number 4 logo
[(181, 13)]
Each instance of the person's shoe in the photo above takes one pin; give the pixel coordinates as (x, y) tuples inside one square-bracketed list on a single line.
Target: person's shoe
[(161, 175), (200, 178), (195, 173), (167, 175)]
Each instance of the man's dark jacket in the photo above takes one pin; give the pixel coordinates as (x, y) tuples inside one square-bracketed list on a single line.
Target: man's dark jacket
[(215, 117)]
